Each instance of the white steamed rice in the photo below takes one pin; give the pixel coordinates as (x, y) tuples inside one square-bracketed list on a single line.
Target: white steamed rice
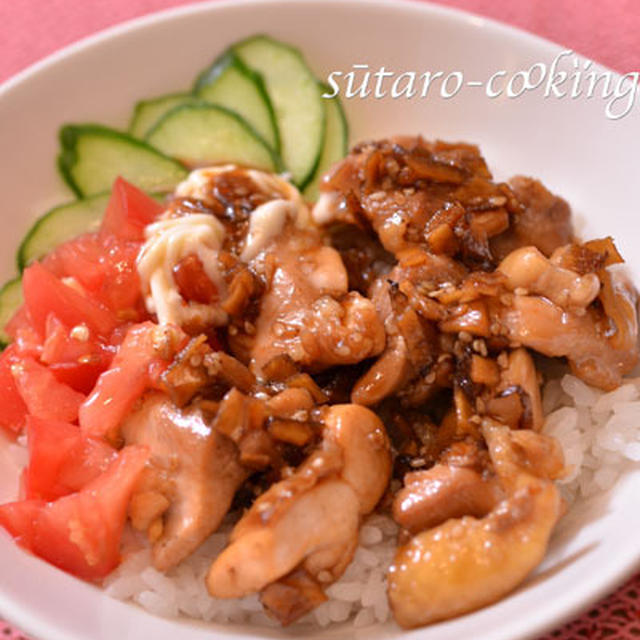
[(599, 433), (360, 594)]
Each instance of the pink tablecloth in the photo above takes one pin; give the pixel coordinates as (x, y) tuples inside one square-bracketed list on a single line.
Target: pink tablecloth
[(606, 31)]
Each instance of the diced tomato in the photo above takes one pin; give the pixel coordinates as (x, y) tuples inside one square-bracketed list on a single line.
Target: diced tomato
[(22, 484), (61, 459), (20, 519), (77, 359), (44, 396), (106, 268), (128, 212), (81, 377), (122, 289), (193, 281), (26, 339), (28, 342), (45, 294), (59, 346), (17, 321), (81, 532), (13, 410), (137, 364), (80, 258)]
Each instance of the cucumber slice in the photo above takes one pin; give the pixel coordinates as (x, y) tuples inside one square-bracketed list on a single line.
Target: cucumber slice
[(294, 95), (10, 301), (60, 224), (336, 142), (147, 112), (207, 134), (229, 83), (92, 156)]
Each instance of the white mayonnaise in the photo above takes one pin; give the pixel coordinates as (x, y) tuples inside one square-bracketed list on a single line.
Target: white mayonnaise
[(265, 224), (326, 208), (171, 239), (267, 220)]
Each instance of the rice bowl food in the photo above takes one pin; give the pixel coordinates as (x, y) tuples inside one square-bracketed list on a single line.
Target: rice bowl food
[(360, 594), (298, 413)]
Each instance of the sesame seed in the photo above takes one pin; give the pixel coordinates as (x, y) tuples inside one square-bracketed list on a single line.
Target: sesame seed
[(80, 333)]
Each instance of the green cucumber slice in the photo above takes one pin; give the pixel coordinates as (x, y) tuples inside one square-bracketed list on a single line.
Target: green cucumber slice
[(92, 156), (206, 134), (60, 224), (336, 142), (231, 84), (147, 112), (10, 301), (293, 90)]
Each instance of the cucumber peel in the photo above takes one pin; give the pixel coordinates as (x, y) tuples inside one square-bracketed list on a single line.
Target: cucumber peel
[(293, 91), (62, 223), (147, 112), (92, 156), (336, 142), (206, 134), (228, 82), (10, 301)]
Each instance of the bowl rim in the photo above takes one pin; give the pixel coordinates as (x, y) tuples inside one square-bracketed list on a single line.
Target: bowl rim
[(581, 598)]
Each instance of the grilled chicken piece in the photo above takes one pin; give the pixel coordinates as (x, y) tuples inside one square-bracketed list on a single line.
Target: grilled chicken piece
[(413, 193), (539, 324), (307, 312), (466, 563), (409, 363), (527, 268), (544, 221), (432, 497), (309, 520), (190, 482)]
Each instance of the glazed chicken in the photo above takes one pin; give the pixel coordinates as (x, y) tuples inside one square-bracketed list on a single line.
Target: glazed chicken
[(309, 521), (307, 311), (466, 562), (273, 281), (189, 483), (482, 273), (435, 207), (387, 334)]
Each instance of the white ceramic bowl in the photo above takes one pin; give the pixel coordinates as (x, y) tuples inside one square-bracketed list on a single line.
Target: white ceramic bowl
[(569, 144)]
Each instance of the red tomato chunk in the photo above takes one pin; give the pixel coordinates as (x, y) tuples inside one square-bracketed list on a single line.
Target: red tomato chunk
[(105, 267), (44, 395), (13, 410), (61, 459), (128, 212), (74, 338), (81, 532), (74, 356), (45, 294), (142, 357)]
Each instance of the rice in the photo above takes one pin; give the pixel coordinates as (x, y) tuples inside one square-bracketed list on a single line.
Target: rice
[(359, 596), (599, 434)]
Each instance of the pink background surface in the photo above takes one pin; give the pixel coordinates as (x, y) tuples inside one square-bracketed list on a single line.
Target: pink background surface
[(606, 31)]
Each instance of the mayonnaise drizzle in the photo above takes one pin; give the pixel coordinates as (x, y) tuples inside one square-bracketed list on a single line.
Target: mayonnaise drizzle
[(169, 240), (267, 220)]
